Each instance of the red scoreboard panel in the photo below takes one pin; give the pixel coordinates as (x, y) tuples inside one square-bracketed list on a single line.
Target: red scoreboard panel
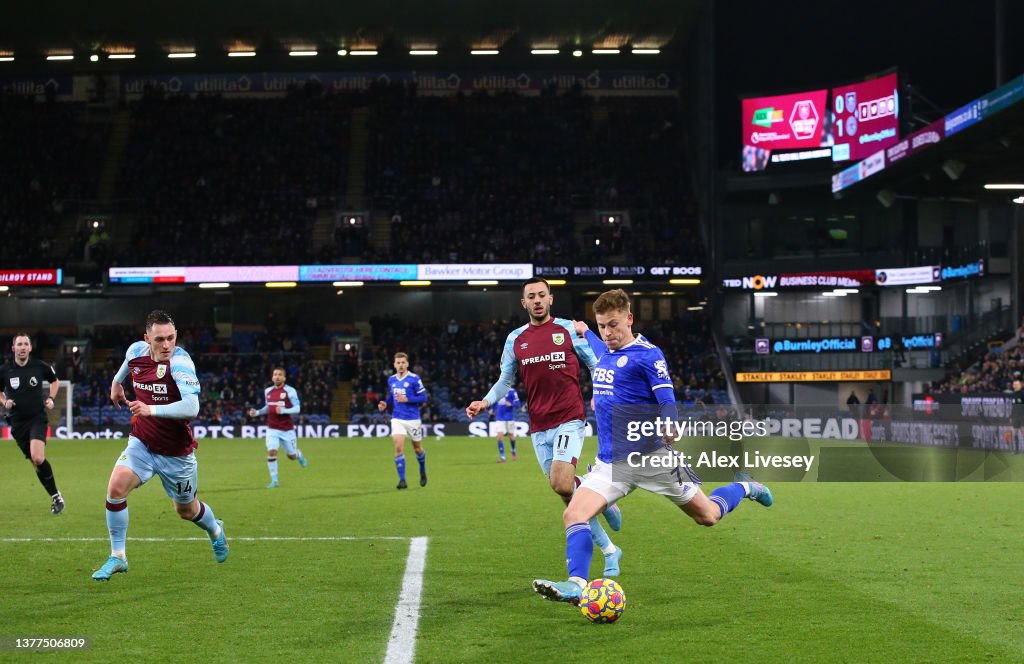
[(866, 117)]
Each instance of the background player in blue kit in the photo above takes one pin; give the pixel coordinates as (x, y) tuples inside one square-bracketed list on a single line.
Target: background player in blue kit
[(633, 373), (282, 401), (405, 394), (505, 417)]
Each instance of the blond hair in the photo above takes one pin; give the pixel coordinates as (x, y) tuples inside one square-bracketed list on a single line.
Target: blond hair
[(613, 300)]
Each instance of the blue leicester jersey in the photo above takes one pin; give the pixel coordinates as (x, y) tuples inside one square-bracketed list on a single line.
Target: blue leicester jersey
[(411, 387), (631, 385), (506, 413)]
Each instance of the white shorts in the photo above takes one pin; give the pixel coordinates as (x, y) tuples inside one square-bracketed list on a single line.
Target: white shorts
[(626, 479), (506, 426), (275, 438), (410, 428)]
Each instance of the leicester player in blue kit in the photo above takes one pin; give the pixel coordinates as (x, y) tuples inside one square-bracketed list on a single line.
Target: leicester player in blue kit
[(505, 417), (161, 442), (405, 394), (633, 373)]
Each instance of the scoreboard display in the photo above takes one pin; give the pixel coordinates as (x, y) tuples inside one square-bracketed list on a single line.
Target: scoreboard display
[(866, 117)]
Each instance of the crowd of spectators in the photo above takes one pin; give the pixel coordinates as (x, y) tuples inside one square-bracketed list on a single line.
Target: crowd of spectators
[(49, 158), (993, 373), (463, 178), (233, 181), (497, 177)]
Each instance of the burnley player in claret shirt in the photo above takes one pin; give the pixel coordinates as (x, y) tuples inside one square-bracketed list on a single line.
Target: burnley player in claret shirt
[(166, 388), (282, 401), (547, 353)]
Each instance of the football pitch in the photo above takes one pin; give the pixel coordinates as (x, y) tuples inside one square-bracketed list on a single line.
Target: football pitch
[(855, 572)]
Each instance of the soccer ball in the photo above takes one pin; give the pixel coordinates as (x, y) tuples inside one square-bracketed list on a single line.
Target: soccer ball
[(602, 601)]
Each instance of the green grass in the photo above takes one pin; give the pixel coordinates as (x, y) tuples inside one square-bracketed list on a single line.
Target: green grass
[(886, 572)]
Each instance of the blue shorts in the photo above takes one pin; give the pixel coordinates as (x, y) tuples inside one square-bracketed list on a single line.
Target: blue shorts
[(179, 475), (563, 443), (276, 438)]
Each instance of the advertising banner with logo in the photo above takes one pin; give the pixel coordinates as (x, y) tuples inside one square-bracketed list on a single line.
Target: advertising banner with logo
[(975, 269), (436, 82), (916, 142), (908, 276), (31, 277), (784, 121), (61, 87), (842, 279)]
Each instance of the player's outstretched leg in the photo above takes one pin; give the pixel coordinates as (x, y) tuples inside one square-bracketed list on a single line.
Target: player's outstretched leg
[(579, 549), (755, 490)]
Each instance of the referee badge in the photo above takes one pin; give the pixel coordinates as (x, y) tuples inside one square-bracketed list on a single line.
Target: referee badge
[(161, 370), (558, 338), (15, 382)]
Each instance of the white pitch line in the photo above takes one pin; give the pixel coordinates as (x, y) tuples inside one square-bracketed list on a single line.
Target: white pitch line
[(10, 540), (402, 642)]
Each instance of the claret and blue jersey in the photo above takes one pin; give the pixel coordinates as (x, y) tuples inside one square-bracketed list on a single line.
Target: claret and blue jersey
[(411, 387), (548, 358)]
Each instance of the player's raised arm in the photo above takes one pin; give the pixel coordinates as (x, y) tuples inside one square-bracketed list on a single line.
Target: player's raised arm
[(504, 384)]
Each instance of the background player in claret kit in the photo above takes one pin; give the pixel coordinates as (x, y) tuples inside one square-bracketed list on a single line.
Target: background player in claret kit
[(282, 401), (505, 417), (632, 373), (22, 396), (405, 394), (161, 443), (547, 353)]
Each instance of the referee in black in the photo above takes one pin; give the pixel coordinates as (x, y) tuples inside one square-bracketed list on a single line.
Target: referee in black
[(22, 396)]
